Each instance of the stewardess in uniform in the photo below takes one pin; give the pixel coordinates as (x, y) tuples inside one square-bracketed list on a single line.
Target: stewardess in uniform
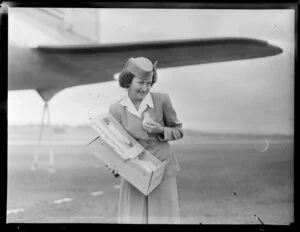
[(151, 119)]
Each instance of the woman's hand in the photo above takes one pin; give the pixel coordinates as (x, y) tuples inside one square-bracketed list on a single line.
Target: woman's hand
[(153, 127)]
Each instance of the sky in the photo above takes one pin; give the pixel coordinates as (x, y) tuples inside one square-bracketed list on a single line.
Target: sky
[(247, 96)]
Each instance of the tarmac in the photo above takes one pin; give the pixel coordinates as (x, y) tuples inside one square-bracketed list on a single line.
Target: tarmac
[(219, 183)]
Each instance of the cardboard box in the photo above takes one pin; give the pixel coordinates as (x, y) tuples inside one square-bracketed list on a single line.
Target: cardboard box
[(116, 148)]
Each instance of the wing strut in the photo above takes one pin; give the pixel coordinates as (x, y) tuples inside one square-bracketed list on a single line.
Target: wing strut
[(37, 152)]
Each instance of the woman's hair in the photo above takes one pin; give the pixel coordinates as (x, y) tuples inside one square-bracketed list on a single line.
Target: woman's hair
[(125, 78)]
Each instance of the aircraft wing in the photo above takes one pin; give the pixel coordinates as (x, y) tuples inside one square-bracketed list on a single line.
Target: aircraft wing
[(49, 69)]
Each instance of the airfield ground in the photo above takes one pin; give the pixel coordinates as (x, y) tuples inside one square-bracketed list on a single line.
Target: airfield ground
[(211, 171)]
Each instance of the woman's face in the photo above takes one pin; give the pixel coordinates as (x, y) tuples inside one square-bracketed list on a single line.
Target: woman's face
[(139, 88)]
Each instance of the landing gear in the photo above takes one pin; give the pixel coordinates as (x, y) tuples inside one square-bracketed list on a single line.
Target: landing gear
[(37, 152)]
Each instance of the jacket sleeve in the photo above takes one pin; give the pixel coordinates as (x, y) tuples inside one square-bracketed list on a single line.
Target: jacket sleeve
[(113, 110), (173, 127)]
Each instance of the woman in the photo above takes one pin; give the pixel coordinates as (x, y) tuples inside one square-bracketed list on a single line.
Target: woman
[(151, 119)]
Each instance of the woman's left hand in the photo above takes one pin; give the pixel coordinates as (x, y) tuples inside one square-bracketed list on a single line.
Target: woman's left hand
[(153, 127), (112, 170)]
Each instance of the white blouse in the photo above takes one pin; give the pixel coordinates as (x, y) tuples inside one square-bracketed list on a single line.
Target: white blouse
[(147, 101)]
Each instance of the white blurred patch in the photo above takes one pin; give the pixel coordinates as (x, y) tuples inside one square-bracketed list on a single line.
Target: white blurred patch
[(63, 200), (14, 211), (262, 145), (116, 76), (96, 193), (97, 166), (117, 186), (51, 170)]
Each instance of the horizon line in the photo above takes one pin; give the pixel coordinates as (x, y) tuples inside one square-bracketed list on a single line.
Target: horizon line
[(198, 131)]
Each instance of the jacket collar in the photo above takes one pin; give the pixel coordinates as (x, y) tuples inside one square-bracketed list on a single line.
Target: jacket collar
[(146, 102)]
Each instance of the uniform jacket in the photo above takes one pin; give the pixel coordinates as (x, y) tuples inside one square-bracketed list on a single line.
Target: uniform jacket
[(161, 111)]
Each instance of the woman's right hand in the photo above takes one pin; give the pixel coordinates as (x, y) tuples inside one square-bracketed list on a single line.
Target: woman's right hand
[(152, 127), (112, 170)]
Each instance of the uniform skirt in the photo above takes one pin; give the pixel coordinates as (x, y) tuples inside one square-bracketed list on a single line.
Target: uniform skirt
[(161, 206)]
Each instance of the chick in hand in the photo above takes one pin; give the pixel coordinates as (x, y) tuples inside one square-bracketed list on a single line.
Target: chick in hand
[(150, 125)]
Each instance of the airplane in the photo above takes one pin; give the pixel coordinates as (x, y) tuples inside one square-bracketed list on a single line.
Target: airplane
[(69, 59)]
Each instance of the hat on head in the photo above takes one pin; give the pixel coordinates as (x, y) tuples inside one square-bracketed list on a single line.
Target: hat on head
[(140, 67)]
